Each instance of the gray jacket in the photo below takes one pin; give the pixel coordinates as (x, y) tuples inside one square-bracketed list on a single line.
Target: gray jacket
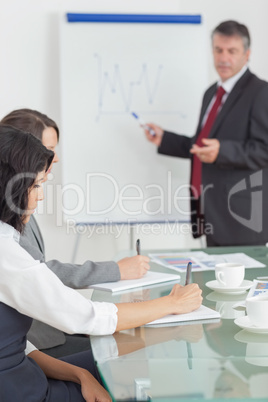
[(73, 275)]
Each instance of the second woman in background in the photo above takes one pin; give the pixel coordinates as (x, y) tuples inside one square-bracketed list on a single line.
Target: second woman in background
[(51, 340)]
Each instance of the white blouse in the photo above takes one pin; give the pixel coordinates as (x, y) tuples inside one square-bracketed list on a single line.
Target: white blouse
[(33, 289)]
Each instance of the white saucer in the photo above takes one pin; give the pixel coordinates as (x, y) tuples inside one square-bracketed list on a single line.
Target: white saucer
[(244, 322), (214, 285)]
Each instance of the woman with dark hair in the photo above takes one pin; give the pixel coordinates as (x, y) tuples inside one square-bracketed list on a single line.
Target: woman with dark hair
[(36, 122), (23, 162), (29, 289), (20, 176), (52, 341)]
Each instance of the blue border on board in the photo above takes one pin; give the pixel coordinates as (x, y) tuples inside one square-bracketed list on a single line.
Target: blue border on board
[(135, 18)]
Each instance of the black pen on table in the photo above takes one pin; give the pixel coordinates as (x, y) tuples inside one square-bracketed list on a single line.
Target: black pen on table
[(188, 273), (138, 246)]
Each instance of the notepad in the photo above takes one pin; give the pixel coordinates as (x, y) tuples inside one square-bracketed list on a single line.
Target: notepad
[(150, 278), (203, 313)]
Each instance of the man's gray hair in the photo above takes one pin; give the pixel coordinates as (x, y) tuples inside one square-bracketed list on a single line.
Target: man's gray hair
[(233, 28)]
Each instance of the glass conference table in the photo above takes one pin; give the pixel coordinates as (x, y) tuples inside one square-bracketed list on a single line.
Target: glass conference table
[(213, 360)]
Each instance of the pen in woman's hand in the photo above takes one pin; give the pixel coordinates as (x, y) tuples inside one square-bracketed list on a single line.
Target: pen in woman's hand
[(138, 247), (188, 273)]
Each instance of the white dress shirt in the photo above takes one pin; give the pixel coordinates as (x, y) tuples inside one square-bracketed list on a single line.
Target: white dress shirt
[(33, 289), (227, 86), (29, 348)]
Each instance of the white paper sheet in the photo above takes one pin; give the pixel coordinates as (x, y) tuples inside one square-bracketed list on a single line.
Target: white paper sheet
[(149, 278), (203, 313), (202, 261)]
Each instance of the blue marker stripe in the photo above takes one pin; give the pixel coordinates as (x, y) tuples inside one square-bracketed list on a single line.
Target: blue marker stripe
[(135, 18)]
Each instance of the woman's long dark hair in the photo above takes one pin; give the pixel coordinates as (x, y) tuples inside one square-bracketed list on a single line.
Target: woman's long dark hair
[(31, 121), (22, 157)]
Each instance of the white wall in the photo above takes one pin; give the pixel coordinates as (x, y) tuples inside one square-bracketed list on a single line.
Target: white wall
[(29, 77)]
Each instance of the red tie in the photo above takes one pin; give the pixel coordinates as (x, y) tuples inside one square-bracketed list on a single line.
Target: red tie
[(196, 180)]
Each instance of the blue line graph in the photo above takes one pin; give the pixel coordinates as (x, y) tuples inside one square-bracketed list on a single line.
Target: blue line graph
[(112, 82)]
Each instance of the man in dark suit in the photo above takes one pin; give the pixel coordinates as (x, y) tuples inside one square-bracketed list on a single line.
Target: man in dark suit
[(229, 152)]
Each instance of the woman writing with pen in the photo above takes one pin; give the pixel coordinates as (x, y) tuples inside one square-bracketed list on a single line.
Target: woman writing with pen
[(28, 289)]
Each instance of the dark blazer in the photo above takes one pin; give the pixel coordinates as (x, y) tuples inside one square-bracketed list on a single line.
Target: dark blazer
[(73, 275), (235, 201)]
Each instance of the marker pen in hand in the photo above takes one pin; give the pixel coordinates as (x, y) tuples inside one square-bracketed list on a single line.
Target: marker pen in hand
[(138, 247), (188, 273), (144, 125)]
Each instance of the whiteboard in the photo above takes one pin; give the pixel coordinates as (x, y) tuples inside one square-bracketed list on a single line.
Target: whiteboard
[(111, 173)]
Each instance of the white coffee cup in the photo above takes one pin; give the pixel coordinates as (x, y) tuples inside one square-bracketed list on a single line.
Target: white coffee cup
[(229, 274), (257, 310)]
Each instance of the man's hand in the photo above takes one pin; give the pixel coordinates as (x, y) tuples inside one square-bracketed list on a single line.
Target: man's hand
[(157, 138), (209, 152), (133, 267)]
